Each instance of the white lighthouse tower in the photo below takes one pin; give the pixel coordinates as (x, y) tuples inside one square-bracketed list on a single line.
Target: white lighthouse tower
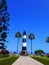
[(24, 45)]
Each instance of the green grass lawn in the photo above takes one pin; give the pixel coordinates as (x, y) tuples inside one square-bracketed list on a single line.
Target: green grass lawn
[(43, 60), (3, 56), (8, 60)]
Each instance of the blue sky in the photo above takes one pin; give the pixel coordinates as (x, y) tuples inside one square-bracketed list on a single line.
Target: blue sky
[(32, 16)]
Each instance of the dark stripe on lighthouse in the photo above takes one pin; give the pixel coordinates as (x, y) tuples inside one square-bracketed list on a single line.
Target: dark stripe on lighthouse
[(24, 33), (24, 40), (23, 48)]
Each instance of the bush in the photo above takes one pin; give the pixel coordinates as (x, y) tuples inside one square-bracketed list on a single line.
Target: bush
[(4, 52), (48, 55), (39, 52)]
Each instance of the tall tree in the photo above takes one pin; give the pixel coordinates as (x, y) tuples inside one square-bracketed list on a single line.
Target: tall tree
[(4, 23), (31, 37), (18, 35)]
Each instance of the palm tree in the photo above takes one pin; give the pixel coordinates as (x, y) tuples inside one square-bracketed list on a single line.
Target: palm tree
[(31, 37), (47, 39), (18, 35)]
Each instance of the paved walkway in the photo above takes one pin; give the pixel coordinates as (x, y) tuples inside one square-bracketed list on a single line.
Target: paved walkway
[(26, 60)]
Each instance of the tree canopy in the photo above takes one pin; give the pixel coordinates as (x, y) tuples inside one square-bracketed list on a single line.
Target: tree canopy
[(4, 23), (31, 36), (39, 52)]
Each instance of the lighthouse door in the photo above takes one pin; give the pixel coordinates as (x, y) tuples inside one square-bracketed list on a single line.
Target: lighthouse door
[(23, 53)]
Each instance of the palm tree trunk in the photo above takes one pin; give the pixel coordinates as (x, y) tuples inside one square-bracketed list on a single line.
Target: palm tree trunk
[(17, 44), (31, 46)]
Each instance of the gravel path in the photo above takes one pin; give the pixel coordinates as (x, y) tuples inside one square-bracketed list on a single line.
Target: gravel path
[(26, 60)]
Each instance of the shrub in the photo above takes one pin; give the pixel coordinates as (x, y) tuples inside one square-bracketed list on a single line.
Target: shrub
[(39, 52), (48, 55), (4, 52)]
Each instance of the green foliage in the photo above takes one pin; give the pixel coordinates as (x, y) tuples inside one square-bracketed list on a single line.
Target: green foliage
[(3, 35), (0, 29), (4, 18), (18, 35), (4, 52), (39, 52), (14, 52), (31, 36)]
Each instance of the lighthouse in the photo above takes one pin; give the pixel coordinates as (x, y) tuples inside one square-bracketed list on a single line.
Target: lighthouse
[(24, 41), (24, 44)]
